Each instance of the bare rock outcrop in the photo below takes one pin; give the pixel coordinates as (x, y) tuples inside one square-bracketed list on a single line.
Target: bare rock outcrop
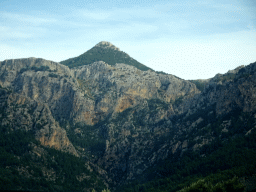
[(121, 119)]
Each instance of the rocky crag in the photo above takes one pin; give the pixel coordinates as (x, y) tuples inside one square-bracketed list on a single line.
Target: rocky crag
[(119, 118)]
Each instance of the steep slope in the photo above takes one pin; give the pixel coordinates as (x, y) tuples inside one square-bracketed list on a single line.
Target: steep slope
[(23, 111), (89, 94), (124, 122), (214, 136), (83, 99), (104, 51), (35, 153), (139, 138)]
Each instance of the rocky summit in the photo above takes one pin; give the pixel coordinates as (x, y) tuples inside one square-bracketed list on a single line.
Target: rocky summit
[(107, 45), (106, 52), (104, 120)]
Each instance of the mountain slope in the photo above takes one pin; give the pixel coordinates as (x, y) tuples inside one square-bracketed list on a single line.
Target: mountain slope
[(129, 124), (35, 153), (215, 137), (104, 51)]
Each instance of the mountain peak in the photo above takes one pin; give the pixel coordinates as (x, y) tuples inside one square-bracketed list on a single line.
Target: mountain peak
[(106, 44), (107, 52)]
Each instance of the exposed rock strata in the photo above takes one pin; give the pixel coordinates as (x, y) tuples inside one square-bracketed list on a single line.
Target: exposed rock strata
[(132, 119)]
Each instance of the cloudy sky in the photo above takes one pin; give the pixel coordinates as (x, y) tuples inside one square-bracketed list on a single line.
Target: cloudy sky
[(190, 39)]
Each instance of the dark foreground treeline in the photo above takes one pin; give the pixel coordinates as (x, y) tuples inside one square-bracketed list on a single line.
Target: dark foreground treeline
[(229, 160), (23, 170), (227, 164)]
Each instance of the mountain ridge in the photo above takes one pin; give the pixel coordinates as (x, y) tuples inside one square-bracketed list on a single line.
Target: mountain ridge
[(104, 51), (124, 123)]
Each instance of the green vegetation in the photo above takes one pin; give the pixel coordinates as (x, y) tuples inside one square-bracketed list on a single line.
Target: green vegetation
[(14, 153), (53, 75), (156, 104), (88, 138), (22, 169), (227, 77), (104, 190), (84, 86), (243, 73), (72, 167), (122, 116), (161, 72), (34, 68), (177, 101), (41, 68), (231, 185), (138, 117), (223, 164), (231, 154), (226, 164), (199, 84), (109, 56)]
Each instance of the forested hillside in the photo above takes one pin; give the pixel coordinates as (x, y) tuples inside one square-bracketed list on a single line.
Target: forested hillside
[(104, 51)]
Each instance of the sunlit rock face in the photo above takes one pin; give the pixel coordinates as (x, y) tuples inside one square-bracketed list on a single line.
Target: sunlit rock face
[(88, 95), (120, 118)]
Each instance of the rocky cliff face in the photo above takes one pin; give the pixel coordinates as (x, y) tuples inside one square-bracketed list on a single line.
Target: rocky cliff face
[(146, 126), (118, 117), (90, 95), (23, 106), (119, 87)]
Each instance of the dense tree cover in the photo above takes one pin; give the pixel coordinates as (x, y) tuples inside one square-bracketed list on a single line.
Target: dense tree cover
[(231, 185), (14, 153), (20, 169), (215, 167), (230, 154), (72, 167), (238, 158), (88, 138), (109, 56)]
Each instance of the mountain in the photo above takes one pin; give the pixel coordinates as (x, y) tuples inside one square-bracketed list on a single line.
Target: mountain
[(107, 52), (102, 125)]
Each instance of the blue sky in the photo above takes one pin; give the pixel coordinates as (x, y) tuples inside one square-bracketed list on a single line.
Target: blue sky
[(190, 39)]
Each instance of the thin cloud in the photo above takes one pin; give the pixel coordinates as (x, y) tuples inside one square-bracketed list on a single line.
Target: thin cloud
[(171, 26), (92, 14), (11, 52), (130, 32), (24, 18), (122, 15), (9, 33)]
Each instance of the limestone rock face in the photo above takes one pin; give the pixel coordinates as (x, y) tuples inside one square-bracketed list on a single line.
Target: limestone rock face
[(121, 119), (89, 95), (21, 112), (116, 88), (235, 89)]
